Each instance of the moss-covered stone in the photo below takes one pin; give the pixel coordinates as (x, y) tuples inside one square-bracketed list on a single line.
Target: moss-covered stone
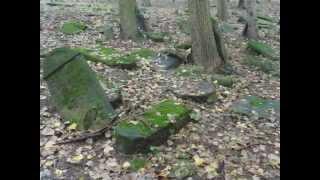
[(73, 27), (262, 48), (222, 80), (184, 25), (75, 90), (156, 36), (252, 105), (266, 18), (261, 64), (113, 58), (183, 46), (152, 128)]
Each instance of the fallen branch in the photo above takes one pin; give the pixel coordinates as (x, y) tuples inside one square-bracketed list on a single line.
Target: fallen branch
[(95, 134)]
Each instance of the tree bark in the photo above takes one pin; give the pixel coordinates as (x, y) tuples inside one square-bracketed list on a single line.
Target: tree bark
[(241, 4), (250, 31), (128, 19), (204, 49), (146, 3), (222, 10)]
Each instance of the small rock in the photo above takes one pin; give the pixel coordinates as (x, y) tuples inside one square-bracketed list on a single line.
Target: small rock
[(47, 131), (46, 175)]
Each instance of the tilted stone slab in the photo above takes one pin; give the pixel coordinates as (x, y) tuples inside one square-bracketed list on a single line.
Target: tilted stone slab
[(253, 105), (75, 90), (151, 128), (263, 49)]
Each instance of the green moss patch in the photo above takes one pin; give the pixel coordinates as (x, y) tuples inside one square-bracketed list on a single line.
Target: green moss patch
[(137, 163), (152, 128), (262, 48), (251, 105), (73, 27), (157, 36), (223, 80)]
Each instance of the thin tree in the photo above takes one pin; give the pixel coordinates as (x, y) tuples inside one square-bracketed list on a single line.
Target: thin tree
[(204, 47), (128, 19), (250, 31), (222, 6), (241, 4)]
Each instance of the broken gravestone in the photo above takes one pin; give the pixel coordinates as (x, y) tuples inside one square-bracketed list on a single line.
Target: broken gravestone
[(151, 128), (113, 58), (75, 90), (256, 106), (198, 91), (263, 49)]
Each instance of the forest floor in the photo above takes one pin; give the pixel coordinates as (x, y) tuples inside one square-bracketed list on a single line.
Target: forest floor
[(248, 146)]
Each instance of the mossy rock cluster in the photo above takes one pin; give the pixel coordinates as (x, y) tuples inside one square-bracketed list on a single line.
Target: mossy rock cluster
[(73, 27), (263, 49), (253, 105), (223, 80), (263, 65), (157, 36), (75, 89), (151, 128), (113, 58)]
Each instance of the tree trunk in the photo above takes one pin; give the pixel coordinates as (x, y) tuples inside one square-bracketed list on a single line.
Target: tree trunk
[(250, 31), (241, 4), (222, 10), (128, 19), (146, 3), (204, 49)]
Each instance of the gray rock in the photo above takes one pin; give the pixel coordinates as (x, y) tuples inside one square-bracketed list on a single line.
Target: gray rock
[(46, 175)]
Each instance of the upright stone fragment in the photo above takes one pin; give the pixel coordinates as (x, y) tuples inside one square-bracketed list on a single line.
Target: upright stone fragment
[(152, 128), (75, 90)]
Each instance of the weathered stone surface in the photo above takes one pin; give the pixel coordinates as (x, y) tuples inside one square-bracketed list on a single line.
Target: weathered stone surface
[(152, 128), (198, 91), (252, 105), (262, 48), (112, 91), (75, 90), (73, 27), (113, 58), (263, 65), (167, 62)]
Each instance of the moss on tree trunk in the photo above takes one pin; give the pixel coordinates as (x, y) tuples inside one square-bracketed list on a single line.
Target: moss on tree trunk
[(128, 19), (204, 48)]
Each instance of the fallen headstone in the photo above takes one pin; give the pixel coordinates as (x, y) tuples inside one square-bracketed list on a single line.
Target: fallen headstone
[(263, 49), (151, 128), (113, 58), (75, 89), (252, 105), (198, 91)]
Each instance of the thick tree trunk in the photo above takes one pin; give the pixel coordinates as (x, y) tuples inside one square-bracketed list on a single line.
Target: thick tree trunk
[(128, 19), (222, 10), (204, 49), (250, 31), (241, 4), (146, 3)]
